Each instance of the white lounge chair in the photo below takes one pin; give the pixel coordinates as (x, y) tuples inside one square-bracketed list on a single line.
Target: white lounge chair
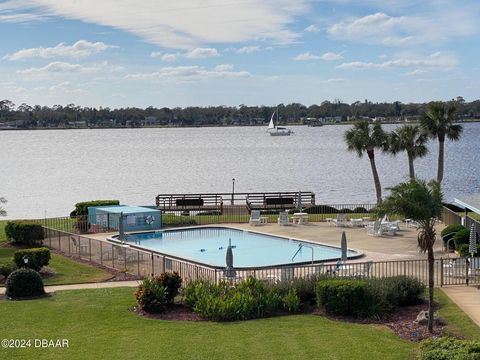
[(375, 229), (340, 221), (283, 218), (255, 218)]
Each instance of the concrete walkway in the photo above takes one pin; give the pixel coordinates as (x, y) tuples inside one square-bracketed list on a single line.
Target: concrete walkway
[(467, 298), (100, 285)]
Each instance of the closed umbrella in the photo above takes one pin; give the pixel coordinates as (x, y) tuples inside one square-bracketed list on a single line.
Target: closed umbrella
[(472, 248), (299, 201), (121, 230), (229, 270), (344, 246)]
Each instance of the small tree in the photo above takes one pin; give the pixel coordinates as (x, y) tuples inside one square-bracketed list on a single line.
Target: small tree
[(421, 202)]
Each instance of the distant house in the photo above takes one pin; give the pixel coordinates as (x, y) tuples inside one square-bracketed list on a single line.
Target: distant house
[(151, 121)]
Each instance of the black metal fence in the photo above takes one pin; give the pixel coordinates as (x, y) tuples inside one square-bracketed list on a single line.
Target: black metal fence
[(452, 271), (230, 214)]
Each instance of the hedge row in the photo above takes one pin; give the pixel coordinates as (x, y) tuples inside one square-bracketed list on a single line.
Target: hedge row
[(81, 208), (367, 298), (36, 258), (24, 232)]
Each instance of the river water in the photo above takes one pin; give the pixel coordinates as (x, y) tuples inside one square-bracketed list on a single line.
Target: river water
[(45, 172)]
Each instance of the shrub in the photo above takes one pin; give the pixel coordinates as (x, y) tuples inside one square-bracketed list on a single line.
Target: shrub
[(321, 209), (291, 301), (24, 283), (24, 232), (156, 293), (398, 290), (172, 282), (461, 237), (81, 208), (345, 297), (151, 296), (360, 210), (447, 348), (464, 251), (451, 229), (250, 299), (304, 288), (7, 269), (37, 258)]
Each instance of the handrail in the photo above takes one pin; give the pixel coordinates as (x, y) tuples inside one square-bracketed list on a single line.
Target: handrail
[(300, 246)]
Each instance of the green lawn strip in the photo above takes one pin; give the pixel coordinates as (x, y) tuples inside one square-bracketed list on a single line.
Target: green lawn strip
[(459, 324), (99, 325), (67, 271), (3, 236)]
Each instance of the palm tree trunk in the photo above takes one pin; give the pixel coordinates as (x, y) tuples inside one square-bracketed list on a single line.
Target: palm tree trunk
[(376, 179), (441, 155), (431, 262), (410, 166)]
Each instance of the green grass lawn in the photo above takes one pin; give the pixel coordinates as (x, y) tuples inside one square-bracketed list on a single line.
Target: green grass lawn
[(67, 271), (99, 325)]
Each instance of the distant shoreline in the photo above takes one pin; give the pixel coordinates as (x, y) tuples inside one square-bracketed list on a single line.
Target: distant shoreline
[(212, 126)]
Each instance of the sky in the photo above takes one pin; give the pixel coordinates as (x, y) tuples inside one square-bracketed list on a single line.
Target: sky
[(120, 53)]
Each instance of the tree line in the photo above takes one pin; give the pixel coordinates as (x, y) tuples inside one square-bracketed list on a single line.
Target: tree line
[(71, 115)]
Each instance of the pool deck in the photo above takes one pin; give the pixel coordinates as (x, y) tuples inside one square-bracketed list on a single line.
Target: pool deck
[(402, 246)]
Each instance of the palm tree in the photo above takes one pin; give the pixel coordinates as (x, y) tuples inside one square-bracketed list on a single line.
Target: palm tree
[(437, 122), (364, 138), (409, 138), (3, 212), (422, 203)]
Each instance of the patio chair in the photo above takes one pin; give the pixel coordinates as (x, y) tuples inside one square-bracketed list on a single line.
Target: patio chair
[(255, 218), (375, 229), (283, 218), (341, 220)]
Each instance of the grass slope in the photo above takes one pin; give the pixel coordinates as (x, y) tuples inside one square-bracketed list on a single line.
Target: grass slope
[(98, 325), (67, 271)]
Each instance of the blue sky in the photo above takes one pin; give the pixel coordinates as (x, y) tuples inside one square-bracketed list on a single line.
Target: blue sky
[(120, 53)]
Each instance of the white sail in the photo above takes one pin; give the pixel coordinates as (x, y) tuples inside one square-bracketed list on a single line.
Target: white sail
[(271, 125)]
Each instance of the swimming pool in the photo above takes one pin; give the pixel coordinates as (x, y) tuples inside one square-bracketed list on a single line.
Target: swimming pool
[(208, 245)]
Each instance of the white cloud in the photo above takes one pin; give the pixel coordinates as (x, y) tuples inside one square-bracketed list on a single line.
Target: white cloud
[(328, 56), (381, 28), (190, 73), (224, 67), (201, 53), (312, 28), (442, 61), (248, 49), (168, 57), (415, 72), (61, 68), (335, 80), (80, 49), (182, 25)]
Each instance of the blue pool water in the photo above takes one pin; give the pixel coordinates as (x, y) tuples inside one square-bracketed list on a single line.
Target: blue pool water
[(208, 245)]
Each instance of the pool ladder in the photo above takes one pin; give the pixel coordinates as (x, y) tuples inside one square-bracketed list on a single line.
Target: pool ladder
[(300, 247)]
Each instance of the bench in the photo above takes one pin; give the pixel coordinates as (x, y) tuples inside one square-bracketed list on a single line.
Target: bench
[(190, 202)]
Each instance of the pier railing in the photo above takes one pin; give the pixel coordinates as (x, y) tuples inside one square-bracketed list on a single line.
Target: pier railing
[(140, 262)]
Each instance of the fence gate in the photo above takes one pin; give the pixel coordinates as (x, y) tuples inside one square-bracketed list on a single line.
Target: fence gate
[(460, 271)]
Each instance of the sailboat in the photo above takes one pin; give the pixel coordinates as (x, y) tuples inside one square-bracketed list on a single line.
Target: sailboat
[(275, 130)]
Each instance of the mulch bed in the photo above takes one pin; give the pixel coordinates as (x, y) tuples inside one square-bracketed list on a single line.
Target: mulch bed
[(400, 322)]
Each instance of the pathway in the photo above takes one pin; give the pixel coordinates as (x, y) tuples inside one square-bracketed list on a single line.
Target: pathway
[(467, 298), (100, 285)]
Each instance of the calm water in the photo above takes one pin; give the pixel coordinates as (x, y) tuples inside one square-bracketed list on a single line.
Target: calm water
[(46, 172), (209, 245)]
